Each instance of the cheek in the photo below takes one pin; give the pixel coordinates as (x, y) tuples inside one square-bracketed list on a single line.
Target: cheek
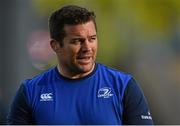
[(72, 52), (95, 48)]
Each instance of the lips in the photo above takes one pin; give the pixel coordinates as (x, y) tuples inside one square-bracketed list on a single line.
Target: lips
[(84, 59)]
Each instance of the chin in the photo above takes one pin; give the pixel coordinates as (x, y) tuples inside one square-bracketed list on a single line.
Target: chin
[(86, 68)]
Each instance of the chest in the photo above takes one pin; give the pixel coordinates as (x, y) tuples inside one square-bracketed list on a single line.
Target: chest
[(83, 104)]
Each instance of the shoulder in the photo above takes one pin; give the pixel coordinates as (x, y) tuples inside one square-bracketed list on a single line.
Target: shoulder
[(33, 86), (114, 73), (115, 78), (39, 79)]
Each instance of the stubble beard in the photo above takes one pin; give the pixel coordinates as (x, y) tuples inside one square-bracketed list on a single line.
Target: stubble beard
[(74, 69), (82, 69)]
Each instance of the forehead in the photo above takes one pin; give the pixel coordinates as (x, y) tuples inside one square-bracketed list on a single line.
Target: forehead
[(87, 28)]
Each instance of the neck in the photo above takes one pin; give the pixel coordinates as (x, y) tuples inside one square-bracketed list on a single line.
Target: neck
[(74, 75)]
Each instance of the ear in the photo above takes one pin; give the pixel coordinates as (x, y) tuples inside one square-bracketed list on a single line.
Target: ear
[(55, 45)]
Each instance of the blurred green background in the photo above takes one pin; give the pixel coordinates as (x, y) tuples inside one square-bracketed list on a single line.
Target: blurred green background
[(141, 37)]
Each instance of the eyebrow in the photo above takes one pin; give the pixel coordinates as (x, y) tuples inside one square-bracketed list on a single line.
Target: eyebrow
[(94, 35), (79, 37)]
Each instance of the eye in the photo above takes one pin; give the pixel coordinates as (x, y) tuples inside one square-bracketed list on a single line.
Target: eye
[(76, 41), (92, 38)]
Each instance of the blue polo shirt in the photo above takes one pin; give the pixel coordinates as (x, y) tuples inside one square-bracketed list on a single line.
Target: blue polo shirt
[(106, 96)]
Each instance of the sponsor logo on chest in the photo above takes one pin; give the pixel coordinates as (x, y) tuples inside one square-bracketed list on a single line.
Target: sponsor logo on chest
[(46, 97), (105, 92)]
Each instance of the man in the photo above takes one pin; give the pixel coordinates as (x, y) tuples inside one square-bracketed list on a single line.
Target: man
[(78, 90)]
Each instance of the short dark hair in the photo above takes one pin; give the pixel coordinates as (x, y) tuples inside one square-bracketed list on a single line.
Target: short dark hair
[(70, 14)]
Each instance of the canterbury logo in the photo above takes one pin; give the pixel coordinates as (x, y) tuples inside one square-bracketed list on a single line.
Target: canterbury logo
[(46, 97)]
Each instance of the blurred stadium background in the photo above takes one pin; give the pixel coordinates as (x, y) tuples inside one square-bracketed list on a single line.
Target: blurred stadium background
[(141, 37)]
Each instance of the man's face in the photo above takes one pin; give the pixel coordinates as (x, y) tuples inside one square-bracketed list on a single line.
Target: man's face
[(79, 48)]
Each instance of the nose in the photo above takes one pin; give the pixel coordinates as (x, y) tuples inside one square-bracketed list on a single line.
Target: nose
[(86, 46)]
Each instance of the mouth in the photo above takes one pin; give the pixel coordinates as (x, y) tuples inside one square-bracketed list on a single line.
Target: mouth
[(84, 60)]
